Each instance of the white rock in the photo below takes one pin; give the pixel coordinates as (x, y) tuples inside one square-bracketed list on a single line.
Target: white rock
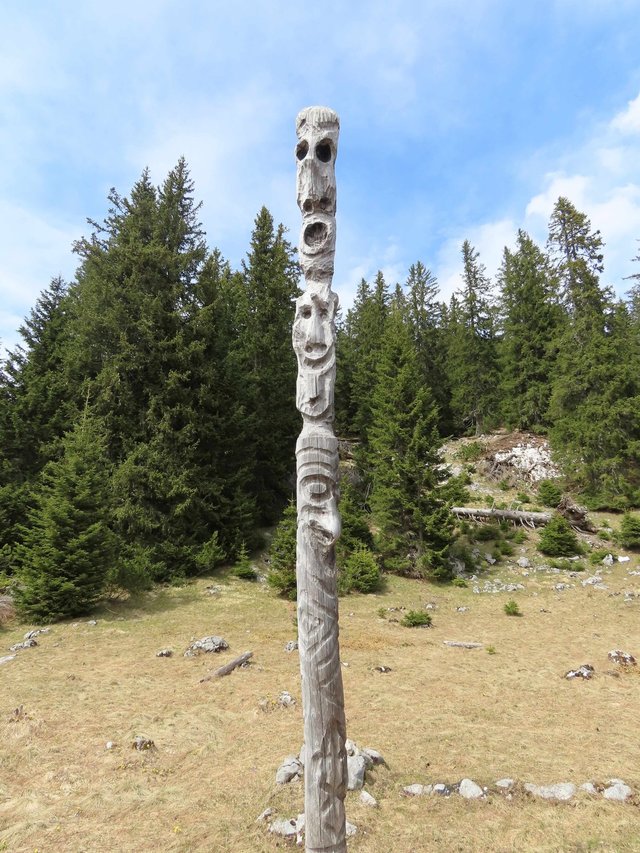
[(416, 790), (617, 790), (265, 814), (589, 787), (350, 747), (505, 783), (286, 700), (560, 791), (6, 659), (622, 658), (524, 562), (470, 790), (286, 828), (608, 560), (350, 829), (356, 768), (288, 770), (367, 800), (373, 754), (623, 559), (109, 745)]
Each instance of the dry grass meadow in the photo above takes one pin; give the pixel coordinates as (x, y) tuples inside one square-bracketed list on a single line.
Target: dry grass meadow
[(441, 714)]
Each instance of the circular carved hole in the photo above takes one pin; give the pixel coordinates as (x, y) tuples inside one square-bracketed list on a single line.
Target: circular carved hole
[(315, 234), (323, 151), (302, 149), (325, 204), (307, 206)]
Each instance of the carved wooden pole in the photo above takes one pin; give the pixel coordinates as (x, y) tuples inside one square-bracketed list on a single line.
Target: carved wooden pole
[(314, 340)]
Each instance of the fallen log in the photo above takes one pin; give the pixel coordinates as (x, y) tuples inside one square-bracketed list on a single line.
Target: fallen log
[(530, 518), (228, 667)]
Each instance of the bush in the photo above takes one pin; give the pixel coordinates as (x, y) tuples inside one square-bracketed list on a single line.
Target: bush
[(630, 531), (455, 491), (486, 532), (511, 608), (558, 539), (523, 497), (470, 452), (416, 619), (360, 572), (505, 548), (244, 568), (520, 537), (459, 582), (598, 555), (549, 493), (282, 570), (210, 554)]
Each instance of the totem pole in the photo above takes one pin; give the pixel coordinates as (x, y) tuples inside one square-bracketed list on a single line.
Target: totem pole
[(314, 341)]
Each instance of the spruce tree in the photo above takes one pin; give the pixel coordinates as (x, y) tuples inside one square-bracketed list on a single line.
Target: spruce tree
[(414, 524), (472, 356), (68, 547), (531, 319)]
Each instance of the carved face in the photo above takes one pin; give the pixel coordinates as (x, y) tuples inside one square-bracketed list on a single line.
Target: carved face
[(317, 459), (313, 342), (317, 130)]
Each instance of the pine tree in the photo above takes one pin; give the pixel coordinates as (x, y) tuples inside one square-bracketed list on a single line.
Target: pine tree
[(414, 524), (472, 356), (68, 548), (270, 283), (531, 324), (282, 554), (558, 539)]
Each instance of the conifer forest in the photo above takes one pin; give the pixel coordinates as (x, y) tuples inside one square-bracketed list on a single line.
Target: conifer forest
[(148, 415)]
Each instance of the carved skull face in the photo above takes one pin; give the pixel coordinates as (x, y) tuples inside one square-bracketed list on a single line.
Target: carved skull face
[(317, 129), (317, 459)]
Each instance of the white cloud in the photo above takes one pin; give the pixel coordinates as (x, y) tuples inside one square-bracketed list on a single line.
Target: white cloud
[(628, 121)]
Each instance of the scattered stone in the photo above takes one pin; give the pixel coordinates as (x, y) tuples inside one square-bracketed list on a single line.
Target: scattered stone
[(356, 768), (142, 743), (431, 605), (461, 609), (291, 768), (285, 828), (291, 646), (206, 644), (92, 622), (617, 790), (164, 653), (265, 814), (109, 745), (623, 559), (505, 783), (286, 700), (594, 580), (622, 658), (562, 791), (28, 644), (442, 789), (491, 560), (367, 800), (523, 562), (35, 633), (417, 790), (470, 790), (608, 560), (585, 671), (373, 755), (382, 668), (589, 787), (458, 644), (213, 590), (561, 586), (350, 829)]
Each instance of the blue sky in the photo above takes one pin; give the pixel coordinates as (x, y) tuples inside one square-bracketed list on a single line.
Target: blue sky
[(459, 120)]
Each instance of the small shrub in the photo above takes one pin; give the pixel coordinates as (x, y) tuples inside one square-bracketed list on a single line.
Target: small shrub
[(361, 572), (519, 537), (416, 619), (455, 491), (503, 485), (282, 570), (243, 567), (511, 608), (630, 531), (605, 534), (491, 650), (598, 555), (495, 553), (382, 612), (486, 532), (470, 452), (558, 539), (210, 554), (523, 497), (459, 582), (464, 527), (549, 493), (578, 566), (505, 548)]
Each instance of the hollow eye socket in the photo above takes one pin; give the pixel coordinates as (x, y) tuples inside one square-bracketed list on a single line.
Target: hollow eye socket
[(302, 149), (324, 313), (323, 151), (306, 312), (307, 206)]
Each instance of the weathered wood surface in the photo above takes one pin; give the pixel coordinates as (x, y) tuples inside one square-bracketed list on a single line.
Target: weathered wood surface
[(458, 644), (530, 518), (325, 764), (228, 667)]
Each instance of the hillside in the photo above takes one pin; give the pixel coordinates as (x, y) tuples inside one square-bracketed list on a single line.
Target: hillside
[(439, 714)]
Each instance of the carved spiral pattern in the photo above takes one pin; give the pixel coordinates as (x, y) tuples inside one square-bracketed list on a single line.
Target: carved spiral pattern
[(325, 772)]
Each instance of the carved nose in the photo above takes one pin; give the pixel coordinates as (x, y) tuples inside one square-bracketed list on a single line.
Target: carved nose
[(316, 339)]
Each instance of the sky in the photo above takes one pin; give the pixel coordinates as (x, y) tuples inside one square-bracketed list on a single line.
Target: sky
[(460, 119)]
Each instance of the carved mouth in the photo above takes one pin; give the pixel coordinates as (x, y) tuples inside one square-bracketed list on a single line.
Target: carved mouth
[(315, 235)]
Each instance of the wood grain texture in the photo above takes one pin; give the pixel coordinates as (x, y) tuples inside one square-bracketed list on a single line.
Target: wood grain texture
[(314, 338)]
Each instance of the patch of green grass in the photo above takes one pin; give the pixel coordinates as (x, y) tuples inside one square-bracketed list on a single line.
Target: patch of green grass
[(511, 608), (416, 619)]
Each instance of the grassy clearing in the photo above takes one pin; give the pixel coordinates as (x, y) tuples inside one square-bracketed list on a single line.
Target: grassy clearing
[(441, 714)]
